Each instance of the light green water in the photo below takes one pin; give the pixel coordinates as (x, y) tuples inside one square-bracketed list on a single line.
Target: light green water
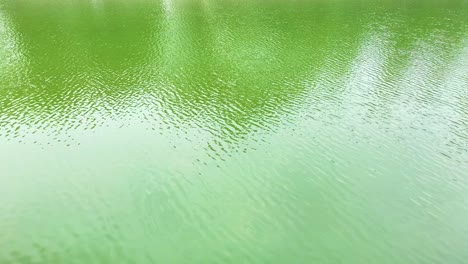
[(222, 131)]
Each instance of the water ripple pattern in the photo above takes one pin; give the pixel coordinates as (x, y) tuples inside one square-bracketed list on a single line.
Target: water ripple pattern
[(219, 131)]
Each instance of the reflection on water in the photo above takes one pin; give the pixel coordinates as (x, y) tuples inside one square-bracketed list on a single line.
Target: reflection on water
[(228, 131), (225, 68)]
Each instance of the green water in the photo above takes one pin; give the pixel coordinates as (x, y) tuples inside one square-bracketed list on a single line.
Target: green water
[(222, 131)]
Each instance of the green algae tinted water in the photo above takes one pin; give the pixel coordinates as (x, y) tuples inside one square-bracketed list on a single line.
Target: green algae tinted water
[(219, 131)]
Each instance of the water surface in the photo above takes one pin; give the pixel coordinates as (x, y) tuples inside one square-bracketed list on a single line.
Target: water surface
[(219, 131)]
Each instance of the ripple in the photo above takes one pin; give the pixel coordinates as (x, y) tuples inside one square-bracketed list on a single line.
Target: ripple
[(233, 131)]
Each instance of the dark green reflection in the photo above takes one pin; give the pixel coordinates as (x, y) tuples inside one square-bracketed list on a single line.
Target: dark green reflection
[(225, 66)]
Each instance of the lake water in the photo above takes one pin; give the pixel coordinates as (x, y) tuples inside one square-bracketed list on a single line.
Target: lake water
[(227, 131)]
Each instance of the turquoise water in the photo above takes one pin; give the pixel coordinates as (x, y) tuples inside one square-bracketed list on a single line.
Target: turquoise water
[(216, 131)]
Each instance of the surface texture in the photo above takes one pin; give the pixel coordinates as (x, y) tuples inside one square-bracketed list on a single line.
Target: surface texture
[(219, 131)]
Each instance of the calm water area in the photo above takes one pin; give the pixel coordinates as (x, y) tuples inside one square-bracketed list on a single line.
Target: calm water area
[(234, 131)]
